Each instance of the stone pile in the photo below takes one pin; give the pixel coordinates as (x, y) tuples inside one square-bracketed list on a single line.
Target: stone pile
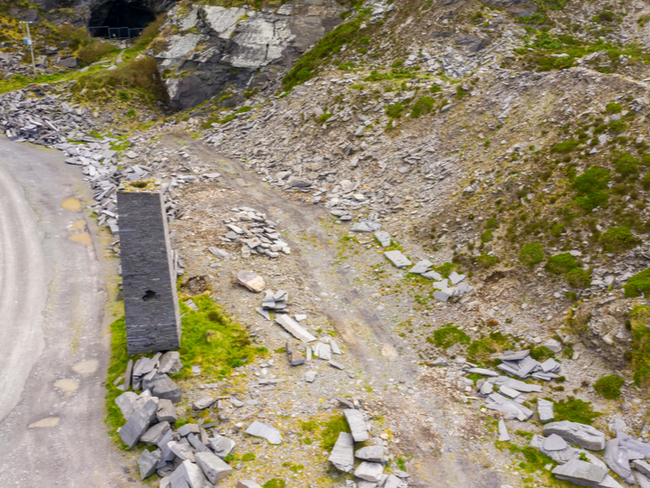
[(257, 234), (520, 364), (372, 459), (275, 302)]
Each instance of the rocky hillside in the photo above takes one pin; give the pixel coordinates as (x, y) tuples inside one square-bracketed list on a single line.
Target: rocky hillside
[(500, 148)]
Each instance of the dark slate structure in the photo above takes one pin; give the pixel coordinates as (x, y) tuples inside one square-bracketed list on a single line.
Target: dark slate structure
[(150, 303)]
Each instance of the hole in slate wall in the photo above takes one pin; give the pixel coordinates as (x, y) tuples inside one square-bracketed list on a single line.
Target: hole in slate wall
[(149, 295), (118, 13)]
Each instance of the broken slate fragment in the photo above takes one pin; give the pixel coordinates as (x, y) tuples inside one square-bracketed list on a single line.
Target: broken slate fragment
[(295, 358), (271, 434), (166, 411), (369, 471), (212, 466), (561, 452), (203, 403), (383, 237), (432, 275), (545, 411), (162, 386), (618, 461), (336, 364), (155, 434), (221, 445), (421, 267), (252, 281), (373, 454), (443, 296), (170, 363), (357, 425), (641, 466), (310, 376), (503, 432), (342, 456), (397, 258), (148, 462), (138, 423), (579, 434), (294, 328), (580, 473), (456, 278), (127, 402)]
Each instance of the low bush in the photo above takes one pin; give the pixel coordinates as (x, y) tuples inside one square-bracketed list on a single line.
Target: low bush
[(395, 111), (487, 236), (574, 410), (565, 147), (609, 386), (541, 353), (638, 284), (640, 354), (531, 254), (94, 52), (561, 263), (592, 188), (578, 278), (614, 108), (491, 223), (618, 239), (480, 351), (486, 260), (331, 431), (422, 107), (626, 164)]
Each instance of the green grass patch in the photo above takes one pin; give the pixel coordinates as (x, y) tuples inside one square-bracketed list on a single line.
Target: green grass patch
[(480, 351), (565, 147), (446, 269), (331, 431), (640, 353), (275, 483), (486, 260), (422, 107), (541, 353), (609, 386), (448, 336), (395, 111), (578, 278), (639, 284), (574, 410)]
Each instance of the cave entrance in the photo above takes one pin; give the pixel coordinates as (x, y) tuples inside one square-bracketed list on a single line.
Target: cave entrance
[(118, 19)]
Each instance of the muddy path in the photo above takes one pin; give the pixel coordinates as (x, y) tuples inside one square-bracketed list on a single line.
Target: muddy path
[(433, 423)]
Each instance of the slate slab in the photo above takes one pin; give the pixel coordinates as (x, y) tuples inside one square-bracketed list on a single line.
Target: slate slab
[(545, 411), (252, 281), (432, 275), (357, 425), (560, 456), (503, 432), (166, 411), (342, 455), (212, 466), (203, 403), (294, 328), (170, 363), (247, 484), (369, 471), (580, 472), (618, 461), (154, 434), (421, 267), (397, 258), (138, 423), (383, 237), (373, 454), (579, 434), (259, 429), (221, 445), (126, 403)]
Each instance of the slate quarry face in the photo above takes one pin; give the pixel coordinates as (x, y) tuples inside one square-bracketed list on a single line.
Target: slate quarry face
[(150, 303)]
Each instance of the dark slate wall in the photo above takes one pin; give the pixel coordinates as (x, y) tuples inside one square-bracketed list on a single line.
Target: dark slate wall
[(150, 301)]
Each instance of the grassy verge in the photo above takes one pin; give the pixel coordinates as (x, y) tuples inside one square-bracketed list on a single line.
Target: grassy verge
[(211, 339)]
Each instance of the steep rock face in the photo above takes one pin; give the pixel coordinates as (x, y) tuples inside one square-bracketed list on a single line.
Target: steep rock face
[(213, 49)]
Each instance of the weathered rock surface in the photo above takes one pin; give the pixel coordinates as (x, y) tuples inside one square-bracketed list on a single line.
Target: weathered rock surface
[(579, 434), (138, 423), (212, 466), (259, 429), (580, 473), (214, 47), (357, 424), (342, 455)]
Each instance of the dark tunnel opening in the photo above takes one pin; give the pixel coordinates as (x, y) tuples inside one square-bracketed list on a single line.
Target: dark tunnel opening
[(118, 19)]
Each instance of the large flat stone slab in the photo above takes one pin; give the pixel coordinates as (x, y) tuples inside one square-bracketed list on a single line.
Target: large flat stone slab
[(212, 466), (397, 258), (580, 473), (579, 434), (342, 455), (259, 429), (357, 424), (294, 328)]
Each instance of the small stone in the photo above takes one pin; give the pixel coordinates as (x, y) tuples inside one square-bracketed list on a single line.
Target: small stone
[(503, 432), (373, 454), (252, 281), (397, 258), (369, 471), (295, 358), (310, 376), (259, 429), (247, 484), (421, 267), (545, 411), (203, 403), (383, 237)]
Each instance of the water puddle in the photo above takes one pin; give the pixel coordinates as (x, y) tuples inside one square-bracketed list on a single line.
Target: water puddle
[(86, 367), (72, 204), (67, 385), (82, 238), (47, 422), (78, 225)]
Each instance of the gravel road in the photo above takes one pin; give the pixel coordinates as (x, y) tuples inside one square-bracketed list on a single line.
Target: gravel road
[(54, 347)]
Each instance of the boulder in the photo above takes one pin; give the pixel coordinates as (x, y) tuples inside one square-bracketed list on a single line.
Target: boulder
[(342, 455), (154, 434), (579, 434), (127, 403), (148, 462), (192, 474), (212, 466), (166, 411), (138, 423), (373, 454), (221, 445), (170, 363)]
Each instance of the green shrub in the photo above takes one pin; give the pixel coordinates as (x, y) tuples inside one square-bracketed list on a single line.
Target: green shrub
[(395, 111), (626, 164), (640, 354), (561, 263), (448, 336), (480, 351), (150, 32), (645, 159), (618, 239), (491, 223), (531, 254), (578, 278), (486, 260), (638, 284), (617, 126), (592, 188), (574, 410), (614, 108), (609, 386), (94, 51), (487, 236), (645, 181), (422, 107), (558, 229), (541, 353), (565, 147)]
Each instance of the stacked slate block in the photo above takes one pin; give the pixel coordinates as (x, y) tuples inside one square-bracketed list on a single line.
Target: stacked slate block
[(150, 303)]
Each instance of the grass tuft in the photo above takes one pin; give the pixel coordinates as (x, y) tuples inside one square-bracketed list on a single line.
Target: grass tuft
[(609, 386)]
